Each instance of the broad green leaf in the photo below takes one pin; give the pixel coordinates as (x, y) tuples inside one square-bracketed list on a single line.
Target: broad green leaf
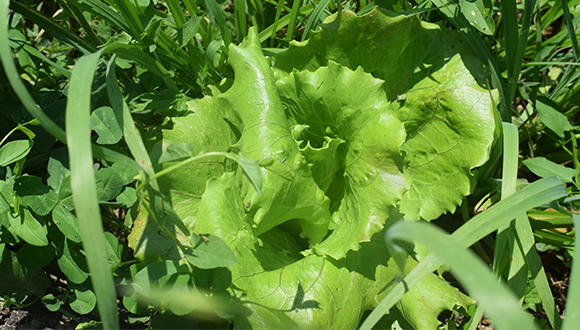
[(58, 169), (83, 299), (552, 117), (66, 222), (164, 275), (210, 252), (289, 190), (128, 197), (14, 151), (437, 88), (35, 256), (187, 31), (127, 173), (544, 168), (51, 302), (474, 12), (71, 262), (33, 193), (18, 281), (113, 248), (27, 227), (65, 194), (176, 151), (107, 126), (109, 184), (251, 169)]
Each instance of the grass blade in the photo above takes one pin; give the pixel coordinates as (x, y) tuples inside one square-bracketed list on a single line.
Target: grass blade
[(519, 49), (85, 191), (130, 131), (573, 303), (315, 17), (78, 15), (293, 18), (131, 14), (139, 56), (500, 303), (571, 30), (276, 19), (506, 234), (534, 195), (218, 13), (55, 30), (240, 15), (17, 84), (100, 9), (177, 12)]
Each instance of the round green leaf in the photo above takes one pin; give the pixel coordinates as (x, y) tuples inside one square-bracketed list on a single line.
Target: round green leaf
[(104, 122), (109, 184), (82, 300), (51, 302)]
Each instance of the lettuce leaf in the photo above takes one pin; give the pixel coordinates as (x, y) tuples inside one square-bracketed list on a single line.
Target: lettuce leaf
[(372, 115)]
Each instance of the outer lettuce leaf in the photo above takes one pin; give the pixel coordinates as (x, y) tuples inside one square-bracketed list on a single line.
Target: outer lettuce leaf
[(289, 190), (284, 289), (440, 87)]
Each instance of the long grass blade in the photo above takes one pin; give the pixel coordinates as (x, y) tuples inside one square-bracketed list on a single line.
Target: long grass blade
[(139, 56), (131, 15), (315, 18), (534, 195), (85, 191), (573, 302), (293, 19), (55, 30), (100, 9), (276, 19), (520, 47), (79, 17), (571, 28), (17, 84), (177, 12), (240, 14), (517, 274), (500, 303), (284, 21), (218, 13), (130, 131)]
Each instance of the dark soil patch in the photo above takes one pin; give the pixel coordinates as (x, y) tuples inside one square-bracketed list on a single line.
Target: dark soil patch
[(35, 316)]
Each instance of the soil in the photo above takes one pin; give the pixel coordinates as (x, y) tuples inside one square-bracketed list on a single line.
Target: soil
[(35, 316)]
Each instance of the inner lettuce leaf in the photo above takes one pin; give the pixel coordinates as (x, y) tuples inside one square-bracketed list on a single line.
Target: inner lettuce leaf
[(438, 85), (372, 113)]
